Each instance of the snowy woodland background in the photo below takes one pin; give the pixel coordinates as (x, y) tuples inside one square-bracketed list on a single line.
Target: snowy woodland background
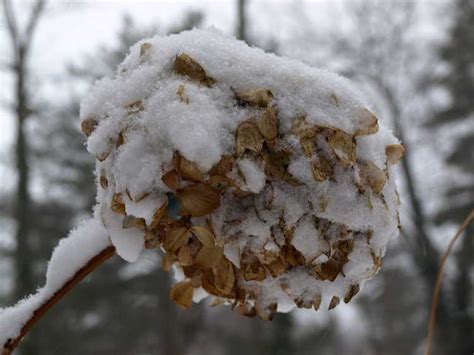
[(415, 58)]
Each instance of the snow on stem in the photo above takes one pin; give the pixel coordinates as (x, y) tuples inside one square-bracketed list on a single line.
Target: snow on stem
[(74, 258)]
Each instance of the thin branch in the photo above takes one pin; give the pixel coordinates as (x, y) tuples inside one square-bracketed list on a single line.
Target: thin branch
[(439, 277), (91, 265), (30, 27), (11, 26)]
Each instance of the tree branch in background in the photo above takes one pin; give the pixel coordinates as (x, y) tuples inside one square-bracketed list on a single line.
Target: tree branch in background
[(439, 278), (91, 265)]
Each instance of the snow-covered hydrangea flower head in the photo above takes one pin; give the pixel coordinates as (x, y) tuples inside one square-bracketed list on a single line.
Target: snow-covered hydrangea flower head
[(266, 183)]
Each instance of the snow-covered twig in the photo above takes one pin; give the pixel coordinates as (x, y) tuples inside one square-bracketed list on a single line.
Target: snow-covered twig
[(45, 307)]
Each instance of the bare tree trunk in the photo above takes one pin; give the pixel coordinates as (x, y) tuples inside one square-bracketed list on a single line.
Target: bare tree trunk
[(20, 44), (242, 20)]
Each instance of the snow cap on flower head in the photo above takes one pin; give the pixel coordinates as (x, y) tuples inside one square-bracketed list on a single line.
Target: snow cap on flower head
[(265, 182)]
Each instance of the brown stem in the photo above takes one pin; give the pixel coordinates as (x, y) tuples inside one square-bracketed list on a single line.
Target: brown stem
[(439, 277), (91, 265)]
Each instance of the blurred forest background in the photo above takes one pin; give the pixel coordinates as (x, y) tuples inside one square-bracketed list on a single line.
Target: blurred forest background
[(414, 58)]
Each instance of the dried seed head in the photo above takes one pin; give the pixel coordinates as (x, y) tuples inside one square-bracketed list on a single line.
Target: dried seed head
[(236, 230)]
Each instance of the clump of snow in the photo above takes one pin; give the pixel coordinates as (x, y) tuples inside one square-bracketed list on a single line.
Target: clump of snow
[(70, 255)]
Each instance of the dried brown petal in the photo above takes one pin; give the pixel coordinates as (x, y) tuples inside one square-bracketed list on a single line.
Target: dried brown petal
[(158, 215), (343, 146), (207, 257), (185, 65), (135, 106), (175, 238), (248, 137), (182, 294), (268, 123), (303, 129), (188, 170), (334, 302), (196, 279), (367, 122), (199, 199), (204, 235), (303, 302), (353, 290), (254, 271), (88, 125), (117, 204), (102, 156), (104, 183), (219, 183), (316, 302), (182, 95), (307, 145), (151, 240), (190, 271), (208, 284), (171, 180), (331, 268), (322, 169), (120, 140), (334, 99), (247, 310), (224, 276), (133, 222), (266, 312), (225, 165), (256, 97), (185, 257), (394, 153), (327, 271), (277, 267), (372, 176), (167, 262), (145, 49)]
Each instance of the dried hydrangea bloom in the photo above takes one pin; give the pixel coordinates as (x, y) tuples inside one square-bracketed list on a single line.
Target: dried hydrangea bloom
[(266, 183)]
